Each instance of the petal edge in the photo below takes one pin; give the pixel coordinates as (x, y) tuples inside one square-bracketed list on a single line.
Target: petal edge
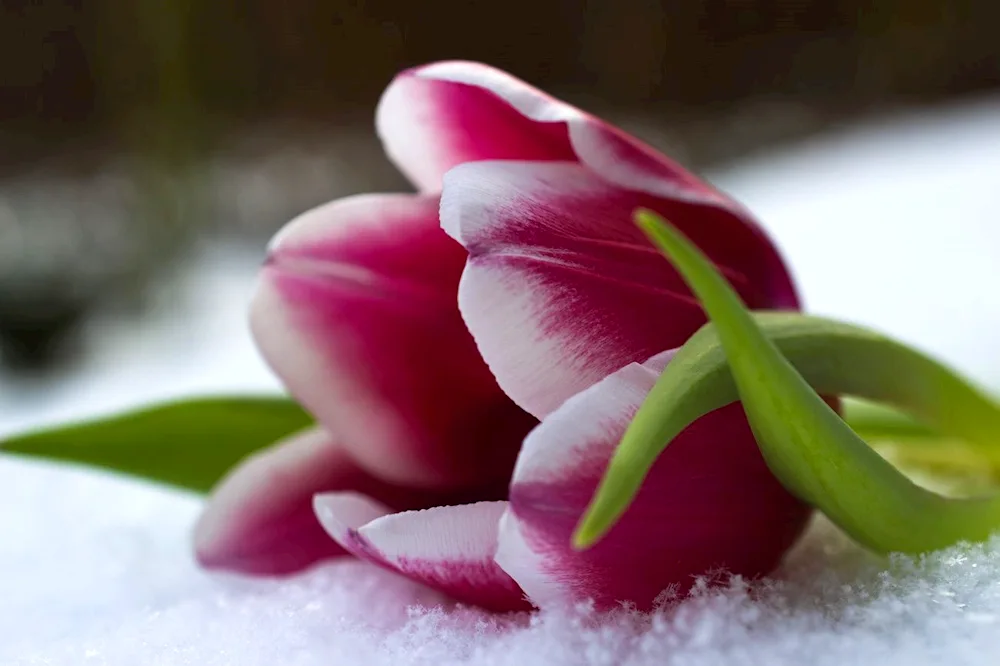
[(449, 548)]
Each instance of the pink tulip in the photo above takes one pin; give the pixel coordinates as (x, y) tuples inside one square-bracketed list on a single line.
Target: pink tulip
[(429, 333)]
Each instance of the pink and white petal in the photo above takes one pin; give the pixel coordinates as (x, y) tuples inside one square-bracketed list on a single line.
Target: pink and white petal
[(356, 311), (260, 520), (429, 123), (561, 288), (256, 521), (449, 548), (437, 116), (708, 505)]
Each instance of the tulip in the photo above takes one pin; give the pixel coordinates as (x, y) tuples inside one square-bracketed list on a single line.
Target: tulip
[(474, 352)]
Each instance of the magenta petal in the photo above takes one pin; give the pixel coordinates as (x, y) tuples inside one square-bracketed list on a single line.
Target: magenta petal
[(708, 505), (434, 117), (357, 312), (259, 520), (562, 289), (449, 548), (429, 123)]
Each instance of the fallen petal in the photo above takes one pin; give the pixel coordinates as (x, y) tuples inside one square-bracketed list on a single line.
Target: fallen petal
[(356, 312), (449, 548), (709, 503), (561, 289)]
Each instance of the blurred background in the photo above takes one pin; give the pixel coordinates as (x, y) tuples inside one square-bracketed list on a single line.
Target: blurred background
[(148, 148)]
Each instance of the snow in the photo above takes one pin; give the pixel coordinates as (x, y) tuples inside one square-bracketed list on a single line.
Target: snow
[(894, 226), (97, 573)]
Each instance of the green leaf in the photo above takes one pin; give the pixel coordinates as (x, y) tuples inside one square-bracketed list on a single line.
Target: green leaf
[(189, 444), (811, 450)]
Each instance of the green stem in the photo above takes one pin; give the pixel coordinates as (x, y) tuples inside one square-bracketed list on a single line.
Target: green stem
[(834, 358), (803, 440)]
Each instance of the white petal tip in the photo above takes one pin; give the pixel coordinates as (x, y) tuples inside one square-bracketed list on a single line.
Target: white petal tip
[(341, 513)]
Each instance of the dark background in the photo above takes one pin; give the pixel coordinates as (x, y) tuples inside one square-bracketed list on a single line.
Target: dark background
[(129, 129)]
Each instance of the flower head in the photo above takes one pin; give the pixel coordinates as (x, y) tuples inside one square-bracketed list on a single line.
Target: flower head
[(431, 333)]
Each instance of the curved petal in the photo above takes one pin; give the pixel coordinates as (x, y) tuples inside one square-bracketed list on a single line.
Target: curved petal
[(561, 288), (428, 123), (256, 521), (434, 117), (449, 548), (260, 518), (709, 504), (356, 311)]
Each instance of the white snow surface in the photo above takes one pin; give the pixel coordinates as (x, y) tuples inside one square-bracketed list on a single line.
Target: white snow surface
[(895, 225)]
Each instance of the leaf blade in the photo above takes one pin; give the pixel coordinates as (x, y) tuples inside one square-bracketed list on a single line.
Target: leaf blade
[(189, 444)]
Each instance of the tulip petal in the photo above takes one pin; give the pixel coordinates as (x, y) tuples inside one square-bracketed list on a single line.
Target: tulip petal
[(561, 289), (260, 519), (429, 123), (709, 503), (356, 311), (449, 548), (434, 117)]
